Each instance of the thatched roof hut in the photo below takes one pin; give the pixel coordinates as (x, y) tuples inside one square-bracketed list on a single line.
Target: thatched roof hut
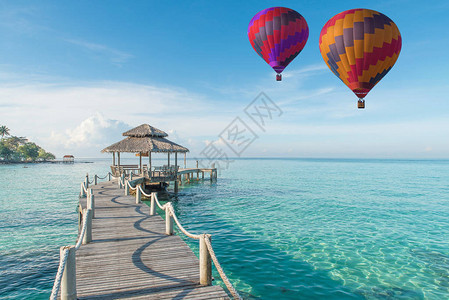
[(144, 145), (144, 140), (145, 130)]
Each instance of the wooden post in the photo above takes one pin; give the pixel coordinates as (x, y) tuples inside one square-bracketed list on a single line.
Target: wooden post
[(168, 222), (126, 188), (68, 281), (138, 195), (118, 159), (95, 179), (109, 176), (122, 180), (197, 171), (86, 180), (113, 158), (80, 217), (152, 205), (176, 185), (82, 192), (131, 176), (91, 203), (169, 159), (205, 263), (202, 174), (87, 238)]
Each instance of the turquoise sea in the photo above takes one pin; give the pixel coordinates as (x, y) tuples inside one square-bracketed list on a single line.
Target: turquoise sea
[(281, 228)]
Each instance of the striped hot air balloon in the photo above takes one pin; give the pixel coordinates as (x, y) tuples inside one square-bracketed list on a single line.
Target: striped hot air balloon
[(278, 34), (360, 46)]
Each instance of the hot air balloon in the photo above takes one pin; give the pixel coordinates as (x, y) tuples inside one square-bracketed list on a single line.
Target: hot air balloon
[(278, 34), (360, 46)]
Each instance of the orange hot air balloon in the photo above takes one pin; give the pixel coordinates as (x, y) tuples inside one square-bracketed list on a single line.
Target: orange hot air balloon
[(360, 46)]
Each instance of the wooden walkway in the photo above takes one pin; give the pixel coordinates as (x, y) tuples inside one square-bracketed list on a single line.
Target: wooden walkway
[(131, 257)]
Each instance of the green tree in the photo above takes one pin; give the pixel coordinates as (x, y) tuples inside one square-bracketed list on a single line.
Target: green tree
[(29, 151), (4, 131), (5, 152), (43, 155), (15, 141)]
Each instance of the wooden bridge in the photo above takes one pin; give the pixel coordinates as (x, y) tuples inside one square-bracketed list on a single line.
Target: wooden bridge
[(126, 250)]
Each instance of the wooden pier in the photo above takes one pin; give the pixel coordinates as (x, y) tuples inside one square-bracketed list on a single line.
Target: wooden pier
[(129, 251)]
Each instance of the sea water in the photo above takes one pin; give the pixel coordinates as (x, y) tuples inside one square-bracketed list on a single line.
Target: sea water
[(281, 228)]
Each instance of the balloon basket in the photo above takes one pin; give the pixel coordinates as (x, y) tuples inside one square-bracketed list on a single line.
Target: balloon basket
[(361, 104), (278, 77)]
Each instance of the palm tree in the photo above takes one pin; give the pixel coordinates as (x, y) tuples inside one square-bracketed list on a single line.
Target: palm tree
[(4, 131)]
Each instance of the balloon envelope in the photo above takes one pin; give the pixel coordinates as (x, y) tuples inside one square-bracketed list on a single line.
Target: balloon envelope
[(278, 34), (360, 46)]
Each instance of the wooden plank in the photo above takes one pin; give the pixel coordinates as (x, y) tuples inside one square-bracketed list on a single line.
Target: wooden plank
[(131, 257)]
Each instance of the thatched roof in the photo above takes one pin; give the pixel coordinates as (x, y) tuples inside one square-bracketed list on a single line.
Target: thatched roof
[(145, 144), (145, 130)]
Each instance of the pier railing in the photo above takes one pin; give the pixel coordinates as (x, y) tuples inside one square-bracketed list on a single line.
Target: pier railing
[(66, 276), (65, 279), (206, 250)]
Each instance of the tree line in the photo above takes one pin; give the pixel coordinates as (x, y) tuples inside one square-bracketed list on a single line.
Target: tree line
[(19, 149)]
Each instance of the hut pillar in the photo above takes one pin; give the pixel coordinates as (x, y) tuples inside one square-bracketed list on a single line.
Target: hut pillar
[(113, 158), (118, 159), (169, 159), (176, 173), (150, 173), (140, 163)]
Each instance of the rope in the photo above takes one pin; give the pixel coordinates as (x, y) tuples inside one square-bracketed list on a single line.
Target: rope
[(98, 177), (83, 230), (57, 284), (183, 230), (223, 276), (130, 186), (157, 202), (90, 182), (143, 193)]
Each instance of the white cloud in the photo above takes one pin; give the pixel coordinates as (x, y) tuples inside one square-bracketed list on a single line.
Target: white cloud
[(116, 56), (94, 132), (83, 118), (306, 71)]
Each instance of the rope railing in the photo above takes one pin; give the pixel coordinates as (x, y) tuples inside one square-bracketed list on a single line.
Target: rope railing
[(183, 230), (64, 257), (57, 284), (131, 187), (68, 253), (83, 230), (207, 240), (223, 276)]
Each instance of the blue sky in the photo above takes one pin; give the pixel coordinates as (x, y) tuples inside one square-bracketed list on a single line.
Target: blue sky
[(75, 74)]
